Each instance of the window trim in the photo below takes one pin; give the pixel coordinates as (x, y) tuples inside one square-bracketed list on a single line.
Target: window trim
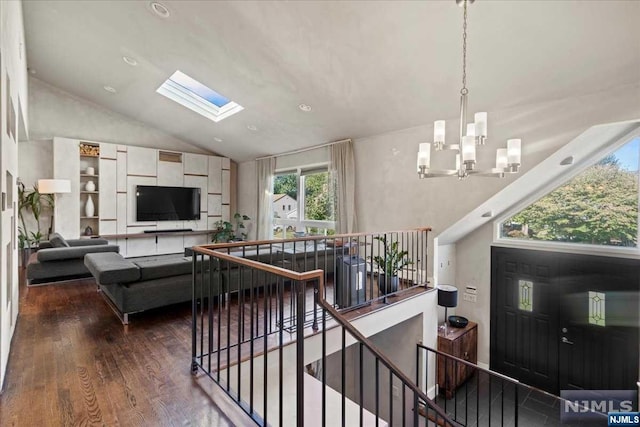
[(579, 248), (300, 222)]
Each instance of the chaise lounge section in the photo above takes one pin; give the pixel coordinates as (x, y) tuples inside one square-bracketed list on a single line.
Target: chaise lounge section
[(60, 259)]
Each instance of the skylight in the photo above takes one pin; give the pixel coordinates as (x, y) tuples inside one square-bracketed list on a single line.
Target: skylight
[(197, 97)]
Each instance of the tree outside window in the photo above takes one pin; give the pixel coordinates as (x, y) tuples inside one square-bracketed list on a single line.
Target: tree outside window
[(598, 207)]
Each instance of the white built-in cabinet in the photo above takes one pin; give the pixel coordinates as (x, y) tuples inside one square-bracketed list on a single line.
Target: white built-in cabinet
[(118, 170)]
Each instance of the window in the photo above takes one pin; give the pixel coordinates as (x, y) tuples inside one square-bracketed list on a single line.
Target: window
[(197, 97), (597, 207), (313, 212), (283, 207)]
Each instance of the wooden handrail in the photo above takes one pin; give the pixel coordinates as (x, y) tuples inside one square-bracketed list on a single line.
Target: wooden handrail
[(289, 274), (249, 243)]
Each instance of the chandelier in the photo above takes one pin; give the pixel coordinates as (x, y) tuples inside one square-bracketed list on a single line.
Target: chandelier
[(471, 135)]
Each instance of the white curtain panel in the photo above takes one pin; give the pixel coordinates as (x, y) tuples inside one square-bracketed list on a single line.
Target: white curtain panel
[(342, 164), (266, 169)]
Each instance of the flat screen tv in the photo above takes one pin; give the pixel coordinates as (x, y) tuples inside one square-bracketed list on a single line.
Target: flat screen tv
[(155, 203)]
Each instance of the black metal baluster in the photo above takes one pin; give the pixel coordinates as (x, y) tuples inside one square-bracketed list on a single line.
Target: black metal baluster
[(228, 310), (404, 405), (194, 315), (344, 374), (251, 342), (239, 338), (210, 312), (219, 310), (267, 282), (361, 390), (280, 292), (501, 402), (377, 393), (301, 294), (516, 407), (390, 397), (324, 367)]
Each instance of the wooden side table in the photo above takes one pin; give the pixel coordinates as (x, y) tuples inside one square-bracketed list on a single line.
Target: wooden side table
[(463, 344)]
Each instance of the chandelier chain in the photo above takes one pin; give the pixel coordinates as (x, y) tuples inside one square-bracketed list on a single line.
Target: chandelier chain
[(464, 89)]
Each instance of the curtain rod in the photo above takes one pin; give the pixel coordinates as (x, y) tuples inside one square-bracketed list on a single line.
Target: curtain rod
[(302, 150)]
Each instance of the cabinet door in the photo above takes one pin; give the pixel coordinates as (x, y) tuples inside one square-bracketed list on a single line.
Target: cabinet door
[(215, 175), (141, 161), (108, 151), (170, 244), (226, 186), (107, 190), (121, 172), (170, 174), (196, 164)]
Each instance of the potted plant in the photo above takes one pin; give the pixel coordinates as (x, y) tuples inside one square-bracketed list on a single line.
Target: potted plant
[(390, 263), (31, 201), (226, 231)]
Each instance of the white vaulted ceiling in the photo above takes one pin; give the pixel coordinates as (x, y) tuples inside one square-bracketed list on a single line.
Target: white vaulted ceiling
[(365, 67)]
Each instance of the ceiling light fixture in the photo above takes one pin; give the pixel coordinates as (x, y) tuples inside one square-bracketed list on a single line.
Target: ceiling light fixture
[(252, 127), (471, 134), (216, 139), (109, 89), (129, 60), (159, 9), (304, 107)]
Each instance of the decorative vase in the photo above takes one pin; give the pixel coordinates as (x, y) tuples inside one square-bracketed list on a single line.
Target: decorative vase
[(88, 231), (89, 208), (90, 186), (91, 171)]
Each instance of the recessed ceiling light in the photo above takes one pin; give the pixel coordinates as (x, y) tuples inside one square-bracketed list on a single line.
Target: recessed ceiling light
[(252, 127), (109, 89), (216, 139), (159, 9), (129, 60), (304, 107), (31, 71)]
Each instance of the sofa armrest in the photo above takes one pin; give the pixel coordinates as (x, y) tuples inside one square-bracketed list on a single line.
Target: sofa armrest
[(61, 254), (87, 242), (111, 268)]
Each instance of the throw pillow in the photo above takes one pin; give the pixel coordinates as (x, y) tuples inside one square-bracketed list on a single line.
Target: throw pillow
[(57, 241)]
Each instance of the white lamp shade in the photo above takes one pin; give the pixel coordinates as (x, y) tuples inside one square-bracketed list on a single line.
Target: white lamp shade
[(471, 129), (424, 155), (54, 186), (513, 151), (438, 131), (468, 148), (501, 158), (458, 161), (481, 124)]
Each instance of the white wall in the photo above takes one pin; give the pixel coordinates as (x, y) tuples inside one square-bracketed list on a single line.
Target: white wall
[(35, 162), (13, 71), (389, 195), (54, 112)]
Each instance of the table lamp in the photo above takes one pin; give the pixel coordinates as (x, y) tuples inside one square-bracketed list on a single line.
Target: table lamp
[(447, 297)]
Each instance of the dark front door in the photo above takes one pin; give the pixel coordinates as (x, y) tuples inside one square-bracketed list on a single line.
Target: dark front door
[(565, 321), (524, 320)]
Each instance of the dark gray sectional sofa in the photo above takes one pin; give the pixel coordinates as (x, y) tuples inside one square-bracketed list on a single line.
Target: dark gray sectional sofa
[(59, 259), (138, 284)]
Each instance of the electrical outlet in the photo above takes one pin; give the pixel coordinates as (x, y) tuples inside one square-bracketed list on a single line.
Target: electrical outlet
[(470, 297)]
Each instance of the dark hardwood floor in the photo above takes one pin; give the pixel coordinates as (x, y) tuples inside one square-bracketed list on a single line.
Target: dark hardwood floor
[(73, 363)]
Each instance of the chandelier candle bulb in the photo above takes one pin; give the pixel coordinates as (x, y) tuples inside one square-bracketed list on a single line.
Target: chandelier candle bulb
[(501, 158), (471, 129), (438, 131), (468, 149), (513, 151), (481, 124), (424, 156)]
